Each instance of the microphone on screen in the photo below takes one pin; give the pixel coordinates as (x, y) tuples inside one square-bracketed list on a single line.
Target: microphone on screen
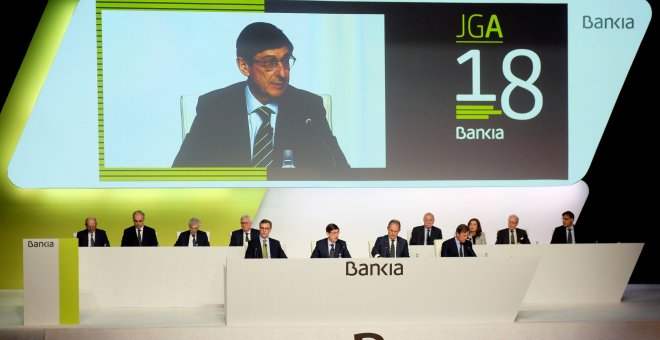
[(309, 122)]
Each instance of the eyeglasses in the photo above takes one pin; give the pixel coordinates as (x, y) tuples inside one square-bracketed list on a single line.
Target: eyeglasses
[(270, 63)]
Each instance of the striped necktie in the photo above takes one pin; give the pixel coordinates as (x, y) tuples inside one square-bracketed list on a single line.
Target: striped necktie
[(262, 151)]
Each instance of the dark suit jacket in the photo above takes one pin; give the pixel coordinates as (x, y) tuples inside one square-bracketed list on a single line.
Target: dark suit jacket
[(418, 235), (237, 237), (503, 236), (149, 239), (253, 250), (219, 134), (382, 247), (100, 238), (559, 235), (184, 237), (321, 249), (449, 249)]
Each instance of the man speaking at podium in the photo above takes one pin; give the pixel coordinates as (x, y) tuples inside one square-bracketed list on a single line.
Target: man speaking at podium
[(252, 123)]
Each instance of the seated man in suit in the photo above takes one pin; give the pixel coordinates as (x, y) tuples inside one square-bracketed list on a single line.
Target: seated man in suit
[(391, 245), (139, 235), (512, 234), (193, 237), (565, 233), (264, 246), (458, 246), (252, 123), (427, 233), (92, 236), (245, 234), (332, 246)]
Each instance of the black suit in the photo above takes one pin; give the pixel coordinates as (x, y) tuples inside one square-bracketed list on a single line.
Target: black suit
[(382, 247), (184, 238), (559, 235), (237, 237), (253, 250), (149, 239), (450, 249), (418, 236), (503, 236), (219, 135), (100, 238), (321, 249)]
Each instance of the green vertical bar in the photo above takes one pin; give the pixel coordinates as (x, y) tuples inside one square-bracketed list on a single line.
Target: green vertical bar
[(69, 297)]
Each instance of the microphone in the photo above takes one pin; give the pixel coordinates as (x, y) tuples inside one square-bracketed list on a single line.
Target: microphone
[(308, 122)]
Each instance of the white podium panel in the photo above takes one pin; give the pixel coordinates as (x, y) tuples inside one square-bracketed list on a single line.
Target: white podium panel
[(362, 291), (574, 273), (153, 276), (50, 281)]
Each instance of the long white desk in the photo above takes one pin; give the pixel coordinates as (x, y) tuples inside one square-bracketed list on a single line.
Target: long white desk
[(573, 273), (153, 276), (349, 291)]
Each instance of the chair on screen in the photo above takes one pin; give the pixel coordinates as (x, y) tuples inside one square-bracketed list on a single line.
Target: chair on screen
[(437, 244), (188, 108), (371, 246), (409, 236)]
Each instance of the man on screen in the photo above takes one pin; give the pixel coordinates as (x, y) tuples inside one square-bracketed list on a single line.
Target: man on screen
[(253, 123)]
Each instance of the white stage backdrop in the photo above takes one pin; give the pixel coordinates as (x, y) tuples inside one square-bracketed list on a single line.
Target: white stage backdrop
[(300, 215)]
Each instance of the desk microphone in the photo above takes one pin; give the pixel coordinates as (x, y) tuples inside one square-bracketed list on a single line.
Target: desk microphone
[(308, 122)]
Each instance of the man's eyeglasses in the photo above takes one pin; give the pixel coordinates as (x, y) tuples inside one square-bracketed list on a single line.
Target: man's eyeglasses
[(270, 63)]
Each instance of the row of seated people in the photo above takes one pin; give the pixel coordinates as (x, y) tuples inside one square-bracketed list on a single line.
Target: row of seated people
[(259, 245)]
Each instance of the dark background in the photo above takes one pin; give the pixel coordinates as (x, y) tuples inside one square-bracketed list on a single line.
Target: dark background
[(620, 177)]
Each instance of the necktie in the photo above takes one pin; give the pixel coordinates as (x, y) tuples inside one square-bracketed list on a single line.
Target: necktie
[(91, 241), (512, 239), (194, 240), (460, 251), (246, 238), (428, 237), (332, 250), (569, 238), (392, 250), (264, 250), (139, 237), (262, 151)]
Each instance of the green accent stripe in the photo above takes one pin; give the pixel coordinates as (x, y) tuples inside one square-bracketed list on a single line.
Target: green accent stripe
[(474, 107), (69, 296), (478, 112), (183, 174), (479, 42), (472, 117), (211, 5)]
